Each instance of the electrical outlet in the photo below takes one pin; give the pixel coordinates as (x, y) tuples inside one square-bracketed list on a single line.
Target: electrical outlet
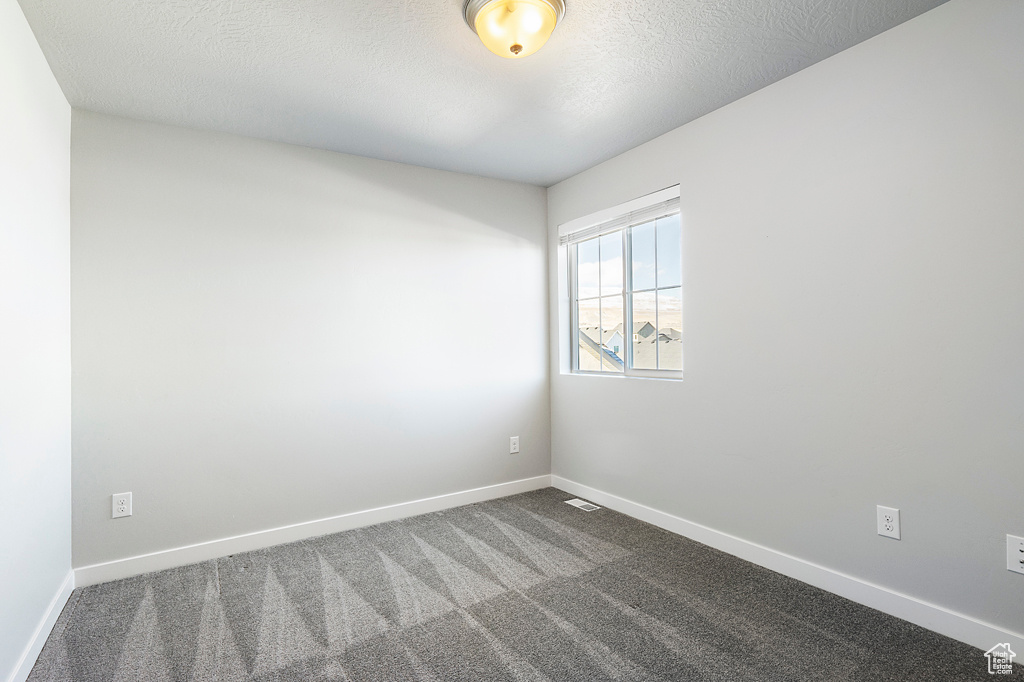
[(513, 445), (121, 505), (889, 522), (1014, 554)]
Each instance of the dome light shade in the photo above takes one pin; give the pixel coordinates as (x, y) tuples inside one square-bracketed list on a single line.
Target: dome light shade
[(514, 28)]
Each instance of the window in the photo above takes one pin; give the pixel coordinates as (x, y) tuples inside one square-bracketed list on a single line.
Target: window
[(625, 290)]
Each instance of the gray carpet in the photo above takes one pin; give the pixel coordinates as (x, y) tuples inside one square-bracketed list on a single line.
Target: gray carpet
[(524, 589)]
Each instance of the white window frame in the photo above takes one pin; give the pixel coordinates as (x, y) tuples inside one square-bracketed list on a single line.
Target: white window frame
[(619, 219)]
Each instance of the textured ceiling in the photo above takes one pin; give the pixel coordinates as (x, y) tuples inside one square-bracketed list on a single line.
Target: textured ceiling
[(407, 80)]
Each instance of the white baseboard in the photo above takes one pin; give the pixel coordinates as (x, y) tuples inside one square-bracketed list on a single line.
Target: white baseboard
[(936, 618), (213, 549), (35, 645)]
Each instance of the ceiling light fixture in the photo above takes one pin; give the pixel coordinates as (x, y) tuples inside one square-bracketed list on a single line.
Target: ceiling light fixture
[(514, 28)]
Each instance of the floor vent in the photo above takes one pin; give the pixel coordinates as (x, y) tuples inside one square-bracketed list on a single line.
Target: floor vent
[(582, 504)]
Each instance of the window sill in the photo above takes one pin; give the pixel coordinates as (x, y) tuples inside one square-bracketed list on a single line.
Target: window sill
[(667, 376)]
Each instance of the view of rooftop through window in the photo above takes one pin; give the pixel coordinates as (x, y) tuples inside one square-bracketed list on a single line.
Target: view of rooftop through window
[(630, 314)]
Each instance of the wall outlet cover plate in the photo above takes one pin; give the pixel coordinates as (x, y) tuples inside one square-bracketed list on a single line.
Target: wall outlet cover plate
[(889, 522), (1015, 554), (120, 505)]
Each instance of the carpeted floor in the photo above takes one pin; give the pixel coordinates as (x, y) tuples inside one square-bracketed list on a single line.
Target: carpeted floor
[(523, 589)]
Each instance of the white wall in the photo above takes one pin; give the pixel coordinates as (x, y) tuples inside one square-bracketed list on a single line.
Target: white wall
[(854, 316), (266, 334), (35, 372)]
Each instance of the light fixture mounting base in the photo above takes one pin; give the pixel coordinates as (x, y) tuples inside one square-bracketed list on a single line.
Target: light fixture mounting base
[(473, 7)]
